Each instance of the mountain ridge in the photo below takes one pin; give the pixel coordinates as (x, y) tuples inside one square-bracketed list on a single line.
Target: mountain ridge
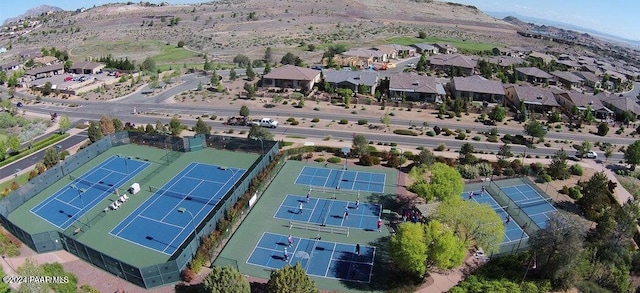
[(35, 11)]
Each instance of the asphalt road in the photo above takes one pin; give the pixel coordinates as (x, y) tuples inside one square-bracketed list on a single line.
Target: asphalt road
[(37, 156)]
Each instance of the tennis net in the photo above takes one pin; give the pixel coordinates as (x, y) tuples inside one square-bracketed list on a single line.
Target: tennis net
[(537, 202), (99, 185), (209, 201)]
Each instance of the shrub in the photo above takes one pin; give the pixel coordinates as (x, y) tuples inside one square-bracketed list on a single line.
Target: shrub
[(477, 138), (440, 147), (405, 132), (546, 178), (334, 160), (576, 170), (603, 129), (575, 193), (363, 122), (319, 160), (343, 121), (295, 122), (468, 171), (187, 275), (508, 172), (291, 119), (369, 160), (315, 120), (431, 133), (461, 136)]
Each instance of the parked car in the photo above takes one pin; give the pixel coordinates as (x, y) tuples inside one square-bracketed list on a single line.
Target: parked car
[(68, 78), (591, 155), (265, 122)]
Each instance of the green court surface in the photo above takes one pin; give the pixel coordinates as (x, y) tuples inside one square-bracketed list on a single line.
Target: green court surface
[(261, 219), (158, 173)]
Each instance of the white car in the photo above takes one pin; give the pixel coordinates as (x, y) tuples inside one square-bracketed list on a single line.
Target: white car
[(591, 155), (411, 64)]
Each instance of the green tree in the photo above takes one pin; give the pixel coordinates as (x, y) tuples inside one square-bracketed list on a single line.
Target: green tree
[(408, 249), (603, 129), (148, 65), (3, 150), (56, 269), (588, 115), (46, 89), (386, 119), (250, 89), (268, 55), (558, 250), (149, 129), (225, 279), (117, 125), (596, 196), (288, 58), (3, 77), (106, 125), (504, 152), (31, 268), (244, 111), (497, 114), (50, 158), (444, 250), (160, 127), (422, 65), (241, 60), (485, 227), (290, 280), (251, 75), (201, 127), (632, 154), (584, 148), (13, 143), (67, 65), (257, 132), (360, 145), (608, 151), (535, 129), (64, 123), (443, 183), (267, 68), (425, 157), (181, 44), (466, 154), (175, 126), (558, 168), (94, 132), (232, 74)]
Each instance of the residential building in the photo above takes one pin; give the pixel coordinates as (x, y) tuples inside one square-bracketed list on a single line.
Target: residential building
[(590, 79), (505, 61), (292, 77), (10, 66), (568, 79), (394, 51), (46, 60), (536, 99), (45, 71), (354, 80), (621, 104), (365, 57), (477, 89), (428, 49), (582, 102), (414, 87), (455, 64), (545, 58), (444, 48), (86, 67), (533, 75)]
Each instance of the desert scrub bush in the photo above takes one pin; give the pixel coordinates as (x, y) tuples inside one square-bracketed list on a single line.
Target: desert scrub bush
[(440, 147), (363, 122), (468, 171), (405, 132), (291, 119), (315, 120), (334, 160), (576, 170), (319, 160), (295, 122), (343, 121)]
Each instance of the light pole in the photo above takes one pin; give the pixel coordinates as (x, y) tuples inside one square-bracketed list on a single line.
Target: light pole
[(195, 234), (261, 143), (125, 162)]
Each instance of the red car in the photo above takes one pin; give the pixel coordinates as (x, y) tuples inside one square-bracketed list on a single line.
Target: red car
[(68, 78)]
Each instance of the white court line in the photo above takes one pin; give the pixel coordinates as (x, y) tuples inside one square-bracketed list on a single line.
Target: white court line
[(330, 259), (139, 244), (161, 222)]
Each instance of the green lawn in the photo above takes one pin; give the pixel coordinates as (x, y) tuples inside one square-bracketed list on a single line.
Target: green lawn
[(22, 179), (172, 54), (460, 44)]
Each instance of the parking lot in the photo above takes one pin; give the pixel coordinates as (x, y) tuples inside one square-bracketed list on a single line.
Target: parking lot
[(66, 81)]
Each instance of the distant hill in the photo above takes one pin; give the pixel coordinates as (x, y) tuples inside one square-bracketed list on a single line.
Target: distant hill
[(521, 20), (35, 12)]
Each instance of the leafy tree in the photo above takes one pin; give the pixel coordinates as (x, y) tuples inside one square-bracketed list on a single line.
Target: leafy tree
[(476, 284), (250, 89), (588, 115), (46, 89), (181, 44), (67, 65), (117, 125), (241, 60), (268, 55), (504, 152), (106, 125), (603, 129), (290, 280), (3, 150), (257, 132), (267, 68), (251, 75), (554, 117), (51, 157), (585, 148), (64, 123), (608, 151), (160, 128), (535, 129), (207, 65), (56, 269), (558, 168), (232, 74), (596, 196), (408, 249), (149, 129), (225, 279), (13, 143), (498, 114), (201, 127), (558, 250), (425, 157), (360, 145), (3, 77), (386, 119), (444, 183), (444, 250), (175, 126), (422, 63), (485, 227), (289, 58), (31, 268), (244, 111), (94, 132), (148, 65), (632, 154)]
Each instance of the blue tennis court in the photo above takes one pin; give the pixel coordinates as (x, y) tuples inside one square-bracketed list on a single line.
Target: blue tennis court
[(329, 212), (532, 203), (342, 179), (512, 232), (158, 225), (319, 258), (72, 201)]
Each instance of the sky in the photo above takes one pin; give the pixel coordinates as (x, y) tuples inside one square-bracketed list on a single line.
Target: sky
[(615, 17)]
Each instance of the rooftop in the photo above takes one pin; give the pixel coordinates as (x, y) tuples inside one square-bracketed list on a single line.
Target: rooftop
[(291, 72), (478, 84), (413, 82)]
